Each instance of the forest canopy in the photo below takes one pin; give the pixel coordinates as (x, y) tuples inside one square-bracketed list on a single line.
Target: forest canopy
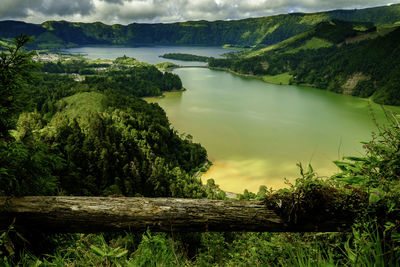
[(91, 137)]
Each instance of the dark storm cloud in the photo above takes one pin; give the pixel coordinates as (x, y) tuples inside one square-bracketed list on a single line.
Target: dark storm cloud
[(128, 11), (23, 8), (181, 10), (69, 7)]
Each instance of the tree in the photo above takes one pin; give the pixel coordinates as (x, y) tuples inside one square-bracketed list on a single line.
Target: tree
[(15, 67), (26, 165)]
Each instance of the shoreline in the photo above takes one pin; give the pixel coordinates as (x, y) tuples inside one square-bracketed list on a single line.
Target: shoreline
[(203, 170), (247, 75), (301, 84)]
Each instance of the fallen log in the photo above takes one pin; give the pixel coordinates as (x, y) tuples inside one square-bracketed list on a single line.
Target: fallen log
[(97, 214)]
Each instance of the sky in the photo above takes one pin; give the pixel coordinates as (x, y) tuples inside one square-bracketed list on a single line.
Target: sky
[(154, 11)]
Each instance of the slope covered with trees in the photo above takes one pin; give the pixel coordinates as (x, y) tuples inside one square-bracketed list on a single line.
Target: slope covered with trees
[(93, 137), (344, 57)]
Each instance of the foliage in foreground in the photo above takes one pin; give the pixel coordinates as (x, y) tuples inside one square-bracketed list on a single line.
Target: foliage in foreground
[(374, 238)]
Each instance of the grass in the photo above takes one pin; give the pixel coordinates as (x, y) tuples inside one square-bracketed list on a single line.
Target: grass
[(166, 65), (279, 45), (388, 29), (99, 61), (261, 51), (313, 19), (237, 47), (129, 61), (282, 78), (81, 105), (313, 43)]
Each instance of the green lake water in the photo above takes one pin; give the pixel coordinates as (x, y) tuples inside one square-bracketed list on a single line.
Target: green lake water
[(256, 132)]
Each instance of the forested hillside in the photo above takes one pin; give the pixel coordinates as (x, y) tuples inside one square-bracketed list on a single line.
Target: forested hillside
[(93, 137), (247, 32), (344, 57)]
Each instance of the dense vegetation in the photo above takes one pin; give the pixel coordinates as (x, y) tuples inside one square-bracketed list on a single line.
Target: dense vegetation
[(185, 57), (344, 57), (124, 74), (93, 137), (246, 32)]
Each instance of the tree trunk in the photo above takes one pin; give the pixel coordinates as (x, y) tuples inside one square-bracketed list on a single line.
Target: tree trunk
[(96, 214)]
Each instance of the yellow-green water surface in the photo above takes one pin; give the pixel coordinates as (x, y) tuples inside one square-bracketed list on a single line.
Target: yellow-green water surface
[(256, 132)]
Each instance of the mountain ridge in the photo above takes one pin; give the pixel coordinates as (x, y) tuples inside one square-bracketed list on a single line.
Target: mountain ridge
[(262, 31)]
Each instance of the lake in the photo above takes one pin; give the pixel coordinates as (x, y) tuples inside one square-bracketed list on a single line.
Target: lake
[(150, 54), (256, 132)]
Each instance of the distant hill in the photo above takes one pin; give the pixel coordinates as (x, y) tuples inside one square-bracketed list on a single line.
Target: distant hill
[(344, 57), (324, 34), (247, 32)]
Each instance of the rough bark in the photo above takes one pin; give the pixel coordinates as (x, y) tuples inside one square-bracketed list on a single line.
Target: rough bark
[(94, 214)]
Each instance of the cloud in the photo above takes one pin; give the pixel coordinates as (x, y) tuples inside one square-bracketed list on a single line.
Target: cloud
[(22, 8), (114, 1), (129, 11)]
